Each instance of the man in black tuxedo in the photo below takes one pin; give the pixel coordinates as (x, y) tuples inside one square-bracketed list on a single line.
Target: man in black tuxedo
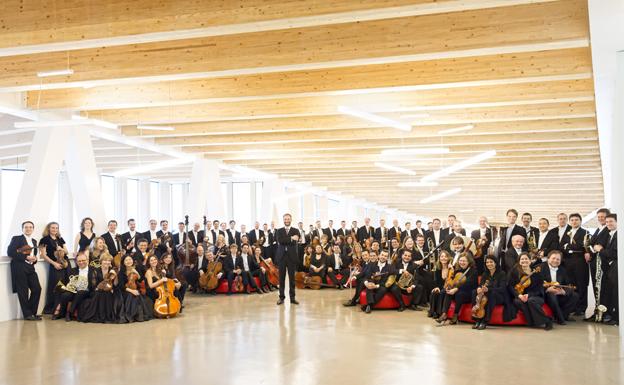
[(419, 229), (330, 232), (287, 239), (562, 301), (232, 267), (342, 231), (84, 288), (178, 239), (317, 232), (195, 235), (110, 238), (129, 238), (574, 260), (394, 230), (166, 245), (526, 226), (233, 236), (483, 233), (382, 232), (256, 234), (408, 232), (609, 264), (561, 230), (24, 278), (600, 237), (513, 252), (450, 222), (507, 233), (151, 234), (365, 231), (546, 239)]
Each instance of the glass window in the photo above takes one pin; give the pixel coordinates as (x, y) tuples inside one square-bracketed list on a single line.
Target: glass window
[(11, 185), (333, 210), (108, 195), (241, 203), (177, 206), (154, 201), (224, 197), (317, 208), (132, 198), (258, 200)]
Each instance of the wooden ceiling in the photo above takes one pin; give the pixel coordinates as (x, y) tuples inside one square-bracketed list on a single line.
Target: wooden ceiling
[(258, 83)]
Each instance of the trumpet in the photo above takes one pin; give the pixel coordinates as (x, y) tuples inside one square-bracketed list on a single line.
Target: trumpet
[(433, 262)]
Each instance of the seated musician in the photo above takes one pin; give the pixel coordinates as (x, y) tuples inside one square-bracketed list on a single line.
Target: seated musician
[(250, 267), (458, 247), (528, 292), (439, 278), (493, 287), (210, 257), (100, 307), (510, 258), (168, 265), (394, 250), (318, 263), (99, 249), (194, 271), (325, 244), (338, 264), (232, 267), (405, 266), (460, 287), (220, 248), (154, 277), (136, 307), (423, 268), (261, 273), (357, 278), (380, 277), (559, 294), (140, 257), (306, 256), (75, 290)]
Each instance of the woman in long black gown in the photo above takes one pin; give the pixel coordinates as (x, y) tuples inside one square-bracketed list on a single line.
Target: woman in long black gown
[(180, 287), (59, 267), (439, 277), (85, 237), (136, 306), (101, 306), (531, 299), (494, 287), (465, 275)]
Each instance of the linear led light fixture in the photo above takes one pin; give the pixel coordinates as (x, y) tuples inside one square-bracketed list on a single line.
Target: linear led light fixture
[(390, 167), (442, 195), (459, 166), (414, 116), (416, 151), (417, 184), (153, 166), (456, 129), (75, 121), (375, 118), (95, 122), (47, 74), (155, 128)]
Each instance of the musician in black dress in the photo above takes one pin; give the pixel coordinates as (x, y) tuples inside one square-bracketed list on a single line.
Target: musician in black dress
[(99, 250), (100, 307), (86, 235), (494, 287), (318, 262), (24, 278), (287, 239), (460, 290), (261, 273), (437, 293), (137, 307), (531, 298), (53, 249), (168, 265)]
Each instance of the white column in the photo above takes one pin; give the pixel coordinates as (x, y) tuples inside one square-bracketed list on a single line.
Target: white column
[(308, 208), (84, 178), (273, 203), (144, 205), (323, 207), (66, 211), (44, 163), (254, 206), (294, 204), (165, 201), (205, 191), (121, 203), (617, 160)]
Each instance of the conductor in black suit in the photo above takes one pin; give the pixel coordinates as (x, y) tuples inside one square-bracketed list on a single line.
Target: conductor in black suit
[(287, 239)]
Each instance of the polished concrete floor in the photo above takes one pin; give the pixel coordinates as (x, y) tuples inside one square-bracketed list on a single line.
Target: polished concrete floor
[(249, 340)]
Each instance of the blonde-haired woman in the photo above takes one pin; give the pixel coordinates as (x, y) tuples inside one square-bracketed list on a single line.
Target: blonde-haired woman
[(53, 249), (98, 251)]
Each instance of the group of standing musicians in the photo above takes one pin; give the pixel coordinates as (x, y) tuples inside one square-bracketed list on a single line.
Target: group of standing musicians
[(116, 276)]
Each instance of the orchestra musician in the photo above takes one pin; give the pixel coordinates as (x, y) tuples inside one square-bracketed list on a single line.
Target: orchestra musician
[(85, 237), (414, 288), (232, 266), (99, 250), (100, 307), (381, 276), (510, 258), (507, 233), (439, 278), (574, 260), (195, 235), (381, 234), (250, 269), (110, 238), (561, 299), (68, 299), (531, 299), (136, 306), (318, 263), (25, 282), (54, 251), (151, 233), (337, 263), (287, 238), (609, 264), (165, 246), (129, 238), (547, 240), (484, 236), (599, 237), (210, 257), (367, 262), (261, 273), (365, 232), (168, 265), (494, 287), (526, 226), (460, 290), (342, 231)]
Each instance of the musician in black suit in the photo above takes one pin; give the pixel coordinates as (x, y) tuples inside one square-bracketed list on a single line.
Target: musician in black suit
[(561, 300), (256, 234), (166, 245), (196, 235), (192, 275), (419, 229), (268, 247), (343, 231), (337, 263), (483, 233), (217, 230), (561, 230), (330, 232), (382, 233), (150, 234), (286, 255), (574, 260), (129, 238), (366, 231), (435, 234), (113, 242), (357, 281), (526, 226), (448, 231), (178, 239), (394, 230), (408, 232), (600, 237), (232, 266), (546, 240), (510, 258), (250, 269), (84, 288), (24, 278), (609, 282), (233, 236), (380, 278), (317, 232), (507, 233), (416, 289)]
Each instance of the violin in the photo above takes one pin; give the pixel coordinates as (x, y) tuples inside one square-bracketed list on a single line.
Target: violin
[(107, 283), (525, 281), (557, 285), (478, 310), (209, 281), (25, 250), (59, 254), (167, 304), (455, 280)]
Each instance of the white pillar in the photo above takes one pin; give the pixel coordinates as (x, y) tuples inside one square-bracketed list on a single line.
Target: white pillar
[(44, 163), (165, 202), (254, 204), (294, 204), (273, 203), (121, 203), (617, 160), (205, 191), (144, 205), (66, 211), (323, 207), (308, 208)]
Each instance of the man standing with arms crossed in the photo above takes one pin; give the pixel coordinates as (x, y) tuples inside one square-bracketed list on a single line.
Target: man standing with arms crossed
[(287, 239)]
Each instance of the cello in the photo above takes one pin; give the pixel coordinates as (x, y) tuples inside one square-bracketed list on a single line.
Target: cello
[(271, 270), (167, 305), (210, 280)]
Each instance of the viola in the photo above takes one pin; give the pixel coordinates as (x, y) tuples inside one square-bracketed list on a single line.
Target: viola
[(478, 310), (525, 281), (167, 304)]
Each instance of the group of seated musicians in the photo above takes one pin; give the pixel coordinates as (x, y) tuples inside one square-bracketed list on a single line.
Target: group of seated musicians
[(117, 275)]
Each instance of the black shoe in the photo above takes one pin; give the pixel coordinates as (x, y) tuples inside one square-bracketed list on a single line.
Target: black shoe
[(68, 317), (56, 316), (482, 326), (611, 322), (453, 320), (548, 326), (401, 309), (294, 302), (247, 291), (476, 325), (339, 287), (38, 317), (31, 318), (367, 309), (588, 319), (349, 304), (270, 288), (259, 291), (415, 308), (570, 319), (280, 301), (561, 322)]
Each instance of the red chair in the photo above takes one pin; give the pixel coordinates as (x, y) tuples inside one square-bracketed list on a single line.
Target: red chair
[(223, 286), (329, 282), (465, 315), (387, 302)]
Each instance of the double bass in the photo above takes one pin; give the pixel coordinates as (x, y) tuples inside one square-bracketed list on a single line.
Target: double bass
[(167, 305), (187, 253)]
